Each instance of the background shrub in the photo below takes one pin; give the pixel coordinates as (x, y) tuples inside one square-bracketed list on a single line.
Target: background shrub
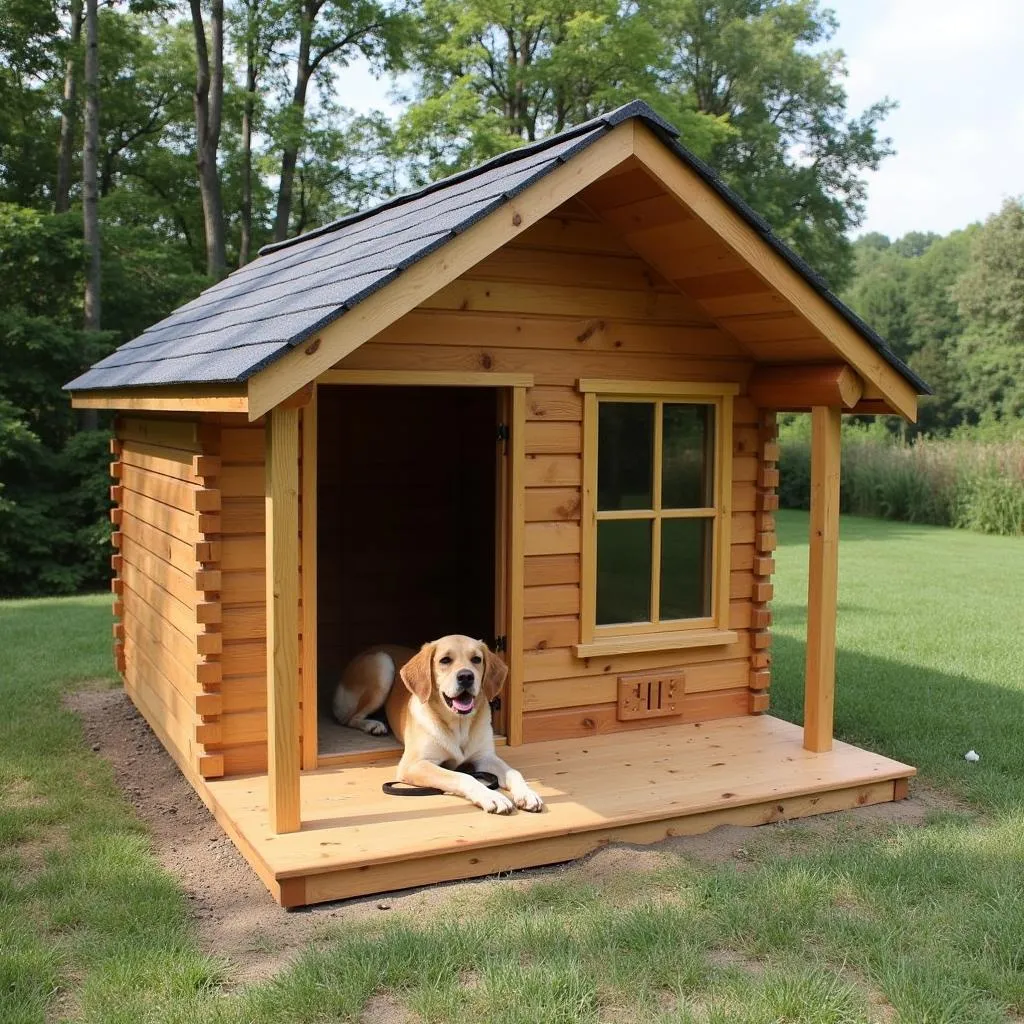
[(973, 479)]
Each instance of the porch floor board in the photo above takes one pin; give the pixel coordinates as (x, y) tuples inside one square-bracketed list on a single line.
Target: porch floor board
[(636, 786)]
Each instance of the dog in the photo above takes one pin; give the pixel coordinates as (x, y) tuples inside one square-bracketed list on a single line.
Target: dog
[(441, 715)]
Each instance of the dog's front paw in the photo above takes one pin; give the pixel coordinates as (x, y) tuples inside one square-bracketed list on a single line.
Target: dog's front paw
[(527, 800), (375, 728), (494, 802)]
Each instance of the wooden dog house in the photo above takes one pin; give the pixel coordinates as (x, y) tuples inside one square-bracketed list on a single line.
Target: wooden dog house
[(534, 402)]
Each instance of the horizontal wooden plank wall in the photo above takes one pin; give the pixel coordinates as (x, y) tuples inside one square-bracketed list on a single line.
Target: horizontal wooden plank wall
[(242, 568), (243, 593), (570, 300), (167, 643)]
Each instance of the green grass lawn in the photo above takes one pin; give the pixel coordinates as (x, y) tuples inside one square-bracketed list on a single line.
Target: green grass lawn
[(858, 921)]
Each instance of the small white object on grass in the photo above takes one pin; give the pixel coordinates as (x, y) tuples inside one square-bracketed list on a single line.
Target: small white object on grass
[(972, 756)]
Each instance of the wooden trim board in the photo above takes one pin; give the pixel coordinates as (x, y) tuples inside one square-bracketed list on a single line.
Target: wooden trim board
[(516, 565), (450, 867), (282, 608), (822, 578), (427, 378), (309, 584), (181, 398)]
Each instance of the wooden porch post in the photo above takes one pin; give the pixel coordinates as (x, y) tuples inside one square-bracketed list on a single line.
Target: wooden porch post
[(823, 578), (282, 494)]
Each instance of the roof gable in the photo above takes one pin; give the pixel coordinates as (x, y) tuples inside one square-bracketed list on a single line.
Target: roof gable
[(305, 303)]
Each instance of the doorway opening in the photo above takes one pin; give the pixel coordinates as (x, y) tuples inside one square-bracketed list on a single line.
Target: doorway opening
[(410, 517)]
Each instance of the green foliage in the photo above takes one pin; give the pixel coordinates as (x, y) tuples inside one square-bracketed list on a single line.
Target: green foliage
[(54, 529), (953, 308), (990, 295), (965, 482), (792, 152), (746, 81), (904, 290), (489, 76)]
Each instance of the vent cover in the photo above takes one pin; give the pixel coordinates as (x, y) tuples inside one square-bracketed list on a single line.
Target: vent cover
[(646, 695)]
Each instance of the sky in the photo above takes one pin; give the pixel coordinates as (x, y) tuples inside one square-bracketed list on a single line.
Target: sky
[(956, 68)]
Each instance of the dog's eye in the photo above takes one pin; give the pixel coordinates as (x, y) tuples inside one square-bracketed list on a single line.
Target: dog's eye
[(476, 659), (446, 660)]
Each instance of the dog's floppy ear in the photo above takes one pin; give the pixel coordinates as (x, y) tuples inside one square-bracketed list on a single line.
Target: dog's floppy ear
[(418, 673), (495, 671)]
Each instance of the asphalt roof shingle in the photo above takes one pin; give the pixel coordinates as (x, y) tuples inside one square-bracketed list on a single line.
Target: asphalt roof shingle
[(296, 288)]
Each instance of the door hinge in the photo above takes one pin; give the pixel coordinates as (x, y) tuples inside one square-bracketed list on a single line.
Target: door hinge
[(502, 433), (500, 644)]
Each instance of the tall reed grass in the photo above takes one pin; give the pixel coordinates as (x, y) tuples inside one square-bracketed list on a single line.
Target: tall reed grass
[(973, 480)]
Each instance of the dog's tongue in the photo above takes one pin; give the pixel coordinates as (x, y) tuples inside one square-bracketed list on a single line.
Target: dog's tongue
[(464, 702)]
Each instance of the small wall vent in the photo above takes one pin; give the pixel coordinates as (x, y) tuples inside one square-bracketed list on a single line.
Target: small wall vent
[(645, 695)]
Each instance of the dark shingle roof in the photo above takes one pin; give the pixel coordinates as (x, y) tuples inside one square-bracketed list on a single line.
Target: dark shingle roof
[(296, 288)]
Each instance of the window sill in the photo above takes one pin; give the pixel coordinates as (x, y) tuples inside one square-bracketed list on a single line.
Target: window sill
[(641, 642)]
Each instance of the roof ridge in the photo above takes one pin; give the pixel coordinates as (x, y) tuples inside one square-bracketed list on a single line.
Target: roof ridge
[(635, 108)]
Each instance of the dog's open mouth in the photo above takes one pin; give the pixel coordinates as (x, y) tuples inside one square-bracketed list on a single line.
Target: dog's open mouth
[(463, 703)]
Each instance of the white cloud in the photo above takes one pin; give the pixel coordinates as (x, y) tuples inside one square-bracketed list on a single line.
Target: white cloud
[(955, 70)]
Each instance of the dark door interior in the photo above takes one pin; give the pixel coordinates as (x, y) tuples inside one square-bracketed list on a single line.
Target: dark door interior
[(406, 514)]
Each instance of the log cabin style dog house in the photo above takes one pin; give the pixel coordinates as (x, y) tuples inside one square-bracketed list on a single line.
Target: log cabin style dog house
[(534, 402)]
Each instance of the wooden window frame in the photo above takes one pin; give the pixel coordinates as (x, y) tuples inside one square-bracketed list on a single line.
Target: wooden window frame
[(667, 634)]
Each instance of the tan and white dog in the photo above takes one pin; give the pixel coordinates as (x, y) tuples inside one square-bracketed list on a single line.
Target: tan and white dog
[(441, 715)]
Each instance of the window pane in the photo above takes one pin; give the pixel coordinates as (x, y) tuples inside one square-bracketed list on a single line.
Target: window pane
[(687, 456), (623, 571), (625, 444), (686, 568)]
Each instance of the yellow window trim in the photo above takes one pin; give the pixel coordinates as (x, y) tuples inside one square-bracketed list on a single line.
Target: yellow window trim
[(669, 634), (697, 390)]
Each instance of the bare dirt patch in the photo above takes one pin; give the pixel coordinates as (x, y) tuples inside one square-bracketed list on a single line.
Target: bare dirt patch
[(235, 916), (386, 1009), (726, 959)]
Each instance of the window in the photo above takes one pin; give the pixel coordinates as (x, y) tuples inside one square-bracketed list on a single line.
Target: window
[(657, 484)]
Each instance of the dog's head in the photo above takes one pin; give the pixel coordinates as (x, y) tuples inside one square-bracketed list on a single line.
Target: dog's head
[(459, 669)]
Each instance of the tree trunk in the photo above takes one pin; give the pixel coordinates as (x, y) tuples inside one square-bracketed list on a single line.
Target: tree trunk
[(247, 114), (90, 168), (207, 100), (62, 198), (290, 155), (90, 183)]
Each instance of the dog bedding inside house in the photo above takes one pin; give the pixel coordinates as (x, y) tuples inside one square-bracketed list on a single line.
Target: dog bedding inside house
[(406, 517)]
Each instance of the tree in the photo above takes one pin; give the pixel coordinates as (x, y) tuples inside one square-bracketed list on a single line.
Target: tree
[(746, 81), (990, 296), (52, 506), (90, 168), (492, 75), (65, 149), (343, 166), (256, 33), (904, 289), (251, 35), (329, 32), (794, 153), (31, 47), (208, 101)]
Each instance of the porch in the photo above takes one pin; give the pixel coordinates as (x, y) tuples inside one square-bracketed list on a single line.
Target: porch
[(636, 787)]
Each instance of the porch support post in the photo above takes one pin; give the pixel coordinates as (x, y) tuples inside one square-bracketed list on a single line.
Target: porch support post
[(823, 578), (282, 526)]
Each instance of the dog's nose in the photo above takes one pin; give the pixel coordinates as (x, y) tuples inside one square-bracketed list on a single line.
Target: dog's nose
[(465, 678)]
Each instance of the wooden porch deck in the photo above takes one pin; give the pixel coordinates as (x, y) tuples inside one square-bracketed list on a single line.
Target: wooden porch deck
[(633, 787)]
